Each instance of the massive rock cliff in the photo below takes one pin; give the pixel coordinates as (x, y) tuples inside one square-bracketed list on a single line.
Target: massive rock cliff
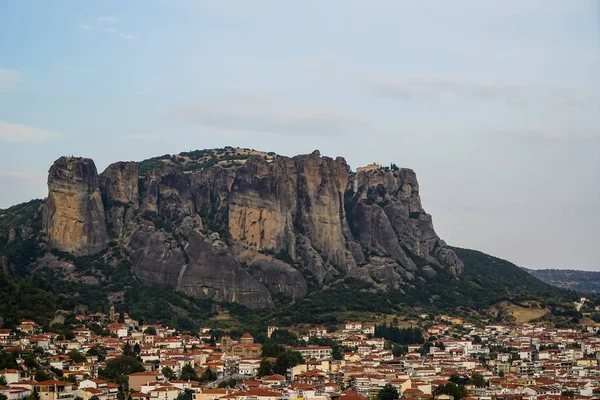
[(74, 219), (238, 225)]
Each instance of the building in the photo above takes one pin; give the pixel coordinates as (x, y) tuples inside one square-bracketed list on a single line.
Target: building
[(245, 348), (55, 390), (11, 375), (137, 379), (315, 352)]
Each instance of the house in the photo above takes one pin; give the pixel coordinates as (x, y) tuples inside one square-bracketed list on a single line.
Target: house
[(351, 395), (270, 330), (211, 394), (317, 331), (118, 329), (29, 327), (353, 326), (60, 361), (313, 377), (82, 332), (137, 379), (256, 394), (15, 393), (368, 329), (11, 375), (315, 352), (273, 380), (6, 337), (165, 393), (413, 394), (55, 390), (108, 390), (249, 367), (88, 393)]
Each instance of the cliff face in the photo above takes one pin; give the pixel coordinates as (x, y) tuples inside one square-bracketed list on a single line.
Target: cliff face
[(239, 226), (74, 219)]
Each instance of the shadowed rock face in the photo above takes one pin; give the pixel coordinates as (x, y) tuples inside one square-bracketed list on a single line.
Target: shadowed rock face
[(239, 233), (73, 217)]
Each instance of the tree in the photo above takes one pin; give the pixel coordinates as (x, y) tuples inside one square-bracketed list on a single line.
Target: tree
[(265, 368), (568, 393), (271, 348), (336, 353), (150, 330), (228, 383), (76, 356), (128, 350), (120, 366), (208, 375), (3, 380), (187, 394), (477, 379), (459, 380), (188, 373), (168, 373), (399, 349), (283, 336), (287, 359), (454, 390), (3, 397), (35, 395), (501, 374), (30, 362), (41, 376), (388, 392)]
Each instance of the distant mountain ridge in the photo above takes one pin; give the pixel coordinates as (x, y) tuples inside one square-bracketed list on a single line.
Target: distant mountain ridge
[(580, 281)]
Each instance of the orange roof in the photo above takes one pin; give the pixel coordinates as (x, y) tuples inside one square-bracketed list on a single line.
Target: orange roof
[(351, 395), (54, 383), (247, 336), (275, 377), (145, 373)]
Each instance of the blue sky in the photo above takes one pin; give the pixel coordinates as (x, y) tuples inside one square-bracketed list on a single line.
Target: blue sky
[(495, 105)]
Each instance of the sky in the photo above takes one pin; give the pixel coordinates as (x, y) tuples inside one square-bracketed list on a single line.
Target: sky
[(495, 105)]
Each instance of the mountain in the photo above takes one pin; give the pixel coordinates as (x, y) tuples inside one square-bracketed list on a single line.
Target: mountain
[(581, 281), (303, 238), (237, 225)]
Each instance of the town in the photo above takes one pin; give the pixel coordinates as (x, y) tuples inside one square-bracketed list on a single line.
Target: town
[(110, 357)]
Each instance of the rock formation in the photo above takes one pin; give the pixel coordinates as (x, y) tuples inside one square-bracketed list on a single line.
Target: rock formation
[(73, 217), (240, 226)]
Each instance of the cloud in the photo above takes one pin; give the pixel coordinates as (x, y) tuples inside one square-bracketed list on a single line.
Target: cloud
[(17, 133), (9, 79), (453, 89), (108, 20), (127, 36), (262, 113)]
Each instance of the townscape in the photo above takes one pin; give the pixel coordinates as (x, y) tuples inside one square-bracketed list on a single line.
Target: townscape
[(110, 357)]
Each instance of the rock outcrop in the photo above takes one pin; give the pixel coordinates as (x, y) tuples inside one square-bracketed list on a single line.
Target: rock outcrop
[(74, 219), (240, 226)]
